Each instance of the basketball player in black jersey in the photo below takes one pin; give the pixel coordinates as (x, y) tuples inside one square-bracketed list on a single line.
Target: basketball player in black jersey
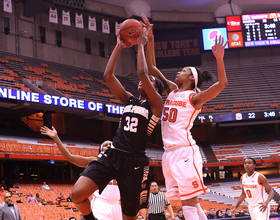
[(126, 160)]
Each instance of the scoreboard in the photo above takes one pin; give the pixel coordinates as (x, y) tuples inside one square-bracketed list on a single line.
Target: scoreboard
[(253, 30), (261, 29), (244, 116)]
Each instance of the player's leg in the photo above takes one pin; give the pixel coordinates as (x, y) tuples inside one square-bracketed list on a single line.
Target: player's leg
[(200, 211), (133, 182), (190, 183), (82, 189), (258, 215), (189, 209), (95, 176)]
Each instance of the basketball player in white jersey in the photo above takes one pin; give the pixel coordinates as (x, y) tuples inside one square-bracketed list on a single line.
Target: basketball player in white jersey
[(254, 185), (182, 162), (107, 204)]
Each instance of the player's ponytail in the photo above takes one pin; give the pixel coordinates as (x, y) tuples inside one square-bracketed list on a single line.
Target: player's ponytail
[(203, 76)]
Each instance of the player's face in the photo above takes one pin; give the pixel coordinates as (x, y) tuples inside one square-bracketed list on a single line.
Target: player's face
[(183, 76), (249, 165), (140, 86), (106, 145), (154, 188)]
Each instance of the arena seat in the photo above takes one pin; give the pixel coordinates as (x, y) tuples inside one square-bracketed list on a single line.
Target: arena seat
[(242, 81), (67, 81), (256, 149)]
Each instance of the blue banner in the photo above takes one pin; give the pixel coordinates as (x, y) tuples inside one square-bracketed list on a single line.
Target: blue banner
[(47, 99)]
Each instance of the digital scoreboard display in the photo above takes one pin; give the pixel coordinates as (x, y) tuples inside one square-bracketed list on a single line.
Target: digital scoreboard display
[(244, 116), (261, 29), (253, 30)]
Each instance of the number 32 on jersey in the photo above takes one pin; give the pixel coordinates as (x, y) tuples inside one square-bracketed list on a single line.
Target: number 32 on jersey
[(131, 124), (169, 114)]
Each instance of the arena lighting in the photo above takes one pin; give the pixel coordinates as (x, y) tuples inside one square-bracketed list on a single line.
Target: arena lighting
[(137, 7), (226, 10)]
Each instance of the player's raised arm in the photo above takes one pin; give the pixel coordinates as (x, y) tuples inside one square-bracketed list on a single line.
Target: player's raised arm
[(264, 182), (75, 159), (154, 98), (218, 50), (109, 75), (150, 56)]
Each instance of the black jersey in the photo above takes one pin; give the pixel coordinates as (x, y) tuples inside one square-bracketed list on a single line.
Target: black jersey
[(137, 123)]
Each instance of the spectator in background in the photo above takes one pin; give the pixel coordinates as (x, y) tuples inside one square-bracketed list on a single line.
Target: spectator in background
[(241, 214), (60, 199), (167, 216), (39, 199), (228, 213), (31, 199), (140, 217), (45, 186), (219, 214), (17, 185), (9, 211), (278, 208), (180, 215), (212, 214)]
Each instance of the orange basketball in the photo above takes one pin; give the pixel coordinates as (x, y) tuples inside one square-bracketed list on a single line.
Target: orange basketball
[(130, 31)]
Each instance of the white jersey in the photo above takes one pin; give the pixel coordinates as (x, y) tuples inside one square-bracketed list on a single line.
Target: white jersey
[(106, 206), (111, 193), (255, 192), (177, 119)]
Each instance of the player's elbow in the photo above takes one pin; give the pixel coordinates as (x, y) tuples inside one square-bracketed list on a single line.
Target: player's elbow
[(142, 73), (107, 76), (222, 85)]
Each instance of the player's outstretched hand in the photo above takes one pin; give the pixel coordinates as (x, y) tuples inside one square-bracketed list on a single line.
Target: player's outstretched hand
[(142, 40), (46, 131), (147, 25), (219, 48), (233, 213), (120, 42), (263, 206)]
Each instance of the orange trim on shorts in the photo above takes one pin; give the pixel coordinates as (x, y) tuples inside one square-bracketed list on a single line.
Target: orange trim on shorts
[(194, 192), (201, 182), (267, 214)]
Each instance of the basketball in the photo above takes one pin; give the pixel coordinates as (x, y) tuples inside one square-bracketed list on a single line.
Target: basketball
[(130, 31)]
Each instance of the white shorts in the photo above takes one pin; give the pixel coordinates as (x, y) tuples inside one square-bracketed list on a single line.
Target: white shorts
[(256, 214), (103, 210), (182, 169)]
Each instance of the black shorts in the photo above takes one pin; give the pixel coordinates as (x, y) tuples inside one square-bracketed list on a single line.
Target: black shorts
[(131, 172), (160, 216)]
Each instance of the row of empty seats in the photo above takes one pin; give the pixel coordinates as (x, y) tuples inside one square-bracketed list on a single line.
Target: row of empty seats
[(68, 81), (250, 88), (38, 211), (248, 82), (229, 192), (257, 150)]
